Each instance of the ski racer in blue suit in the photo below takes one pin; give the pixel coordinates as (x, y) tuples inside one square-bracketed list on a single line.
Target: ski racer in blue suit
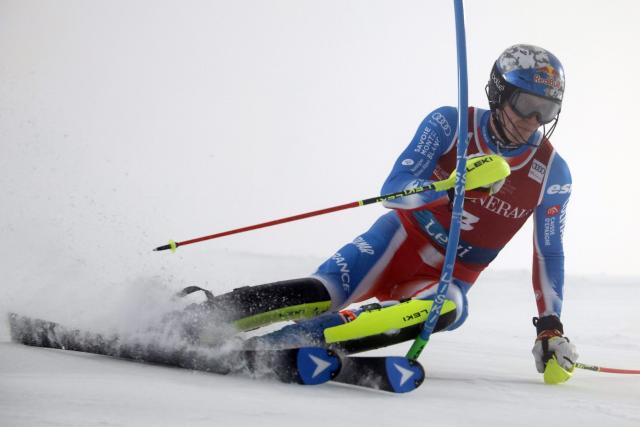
[(401, 256)]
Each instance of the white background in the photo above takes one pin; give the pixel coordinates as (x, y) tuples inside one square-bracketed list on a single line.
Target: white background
[(128, 123)]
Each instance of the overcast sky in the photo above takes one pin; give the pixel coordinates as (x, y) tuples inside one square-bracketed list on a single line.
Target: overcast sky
[(124, 124)]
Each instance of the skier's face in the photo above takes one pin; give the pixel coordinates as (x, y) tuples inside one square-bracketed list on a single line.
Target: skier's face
[(517, 128)]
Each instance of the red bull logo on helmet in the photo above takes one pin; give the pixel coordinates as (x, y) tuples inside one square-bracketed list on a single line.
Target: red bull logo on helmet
[(548, 76)]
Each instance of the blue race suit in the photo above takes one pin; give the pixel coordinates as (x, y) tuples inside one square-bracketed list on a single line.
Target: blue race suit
[(402, 254)]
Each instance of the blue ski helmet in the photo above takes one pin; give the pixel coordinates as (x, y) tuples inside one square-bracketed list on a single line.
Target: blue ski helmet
[(528, 69)]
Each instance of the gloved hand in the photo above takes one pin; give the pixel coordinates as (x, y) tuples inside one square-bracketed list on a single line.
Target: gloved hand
[(479, 193), (551, 341)]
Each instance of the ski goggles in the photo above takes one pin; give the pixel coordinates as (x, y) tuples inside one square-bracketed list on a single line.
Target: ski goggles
[(527, 105)]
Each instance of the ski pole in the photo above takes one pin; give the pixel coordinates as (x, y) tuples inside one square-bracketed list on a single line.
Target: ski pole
[(446, 275), (481, 171), (607, 370)]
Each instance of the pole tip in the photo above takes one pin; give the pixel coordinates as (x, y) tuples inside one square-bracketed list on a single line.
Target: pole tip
[(172, 245)]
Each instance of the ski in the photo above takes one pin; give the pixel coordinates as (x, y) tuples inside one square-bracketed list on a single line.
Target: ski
[(387, 373), (305, 365), (308, 365)]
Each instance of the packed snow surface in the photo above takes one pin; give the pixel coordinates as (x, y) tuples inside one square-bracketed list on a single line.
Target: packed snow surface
[(480, 374)]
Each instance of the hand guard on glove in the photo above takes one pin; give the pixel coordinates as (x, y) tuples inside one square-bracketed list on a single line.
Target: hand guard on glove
[(552, 342), (480, 193)]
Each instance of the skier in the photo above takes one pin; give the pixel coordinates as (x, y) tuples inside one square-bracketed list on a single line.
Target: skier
[(400, 258)]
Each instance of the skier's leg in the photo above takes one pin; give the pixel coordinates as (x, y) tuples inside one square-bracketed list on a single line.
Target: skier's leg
[(373, 325), (454, 312), (342, 277), (250, 307), (335, 282), (371, 263)]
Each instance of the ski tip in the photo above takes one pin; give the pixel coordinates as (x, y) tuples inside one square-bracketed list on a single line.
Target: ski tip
[(404, 375), (317, 365)]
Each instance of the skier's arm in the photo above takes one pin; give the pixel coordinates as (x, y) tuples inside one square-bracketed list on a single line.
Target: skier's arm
[(414, 166), (548, 272), (548, 256)]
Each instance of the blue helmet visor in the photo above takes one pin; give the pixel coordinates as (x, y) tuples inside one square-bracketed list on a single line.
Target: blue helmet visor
[(527, 105)]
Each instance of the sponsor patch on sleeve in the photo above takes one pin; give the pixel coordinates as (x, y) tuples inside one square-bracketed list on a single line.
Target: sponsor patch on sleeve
[(553, 210)]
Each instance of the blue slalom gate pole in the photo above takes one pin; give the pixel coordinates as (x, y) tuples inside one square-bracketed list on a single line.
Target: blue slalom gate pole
[(458, 201)]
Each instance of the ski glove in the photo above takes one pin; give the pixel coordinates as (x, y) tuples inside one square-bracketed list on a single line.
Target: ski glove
[(478, 194), (552, 342)]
